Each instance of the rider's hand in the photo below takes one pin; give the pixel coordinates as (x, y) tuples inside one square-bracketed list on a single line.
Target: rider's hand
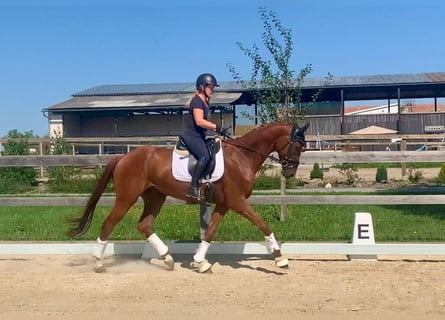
[(222, 131)]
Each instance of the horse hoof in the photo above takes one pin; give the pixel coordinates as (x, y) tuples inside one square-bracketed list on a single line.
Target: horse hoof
[(99, 269), (282, 262), (202, 266), (169, 262)]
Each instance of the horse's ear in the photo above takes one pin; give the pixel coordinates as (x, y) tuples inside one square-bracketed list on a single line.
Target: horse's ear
[(304, 127)]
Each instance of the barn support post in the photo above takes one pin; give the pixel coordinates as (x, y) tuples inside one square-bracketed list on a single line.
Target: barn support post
[(41, 153), (398, 109), (342, 111)]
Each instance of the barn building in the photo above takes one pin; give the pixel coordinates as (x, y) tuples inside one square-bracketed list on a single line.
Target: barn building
[(159, 109)]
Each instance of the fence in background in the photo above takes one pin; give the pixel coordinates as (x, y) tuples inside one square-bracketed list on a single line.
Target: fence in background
[(321, 157), (327, 158)]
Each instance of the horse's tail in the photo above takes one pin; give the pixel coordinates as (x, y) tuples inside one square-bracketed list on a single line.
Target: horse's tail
[(81, 224)]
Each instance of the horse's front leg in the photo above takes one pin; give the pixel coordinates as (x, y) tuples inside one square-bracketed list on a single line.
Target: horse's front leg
[(272, 246), (199, 259)]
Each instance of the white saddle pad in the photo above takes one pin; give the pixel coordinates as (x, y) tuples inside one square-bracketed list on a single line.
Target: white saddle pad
[(180, 168)]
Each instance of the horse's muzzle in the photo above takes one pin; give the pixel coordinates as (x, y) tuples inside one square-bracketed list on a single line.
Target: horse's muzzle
[(289, 172), (289, 168)]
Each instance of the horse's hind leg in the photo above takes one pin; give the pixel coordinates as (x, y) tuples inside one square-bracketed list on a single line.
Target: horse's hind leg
[(153, 202), (120, 208)]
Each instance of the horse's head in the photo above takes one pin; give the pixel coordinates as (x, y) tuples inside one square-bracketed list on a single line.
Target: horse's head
[(290, 158)]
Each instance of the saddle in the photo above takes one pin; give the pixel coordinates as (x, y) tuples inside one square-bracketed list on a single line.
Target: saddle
[(213, 145)]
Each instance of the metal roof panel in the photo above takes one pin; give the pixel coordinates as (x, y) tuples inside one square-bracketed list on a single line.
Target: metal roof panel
[(139, 101), (234, 86), (177, 94)]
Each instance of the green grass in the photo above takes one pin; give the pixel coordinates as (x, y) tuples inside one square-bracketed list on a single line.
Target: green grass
[(181, 222)]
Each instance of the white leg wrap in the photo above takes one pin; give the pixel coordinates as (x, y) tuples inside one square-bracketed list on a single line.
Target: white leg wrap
[(99, 248), (271, 243), (158, 244), (202, 251)]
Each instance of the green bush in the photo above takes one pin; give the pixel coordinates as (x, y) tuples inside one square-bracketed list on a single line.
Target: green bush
[(350, 171), (80, 181), (17, 179), (441, 177), (381, 174), (63, 178), (316, 172), (414, 175), (9, 184)]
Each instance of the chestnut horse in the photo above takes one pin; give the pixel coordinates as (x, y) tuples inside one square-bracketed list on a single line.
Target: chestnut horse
[(146, 172)]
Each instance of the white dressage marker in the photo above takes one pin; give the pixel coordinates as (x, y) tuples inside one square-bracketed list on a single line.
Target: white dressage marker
[(363, 234)]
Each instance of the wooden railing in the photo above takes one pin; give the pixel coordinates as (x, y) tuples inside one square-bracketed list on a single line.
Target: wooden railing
[(100, 145), (321, 199), (310, 157), (328, 157)]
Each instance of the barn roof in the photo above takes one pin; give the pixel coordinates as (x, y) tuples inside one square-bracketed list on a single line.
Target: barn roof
[(354, 81), (374, 130), (421, 85), (126, 102)]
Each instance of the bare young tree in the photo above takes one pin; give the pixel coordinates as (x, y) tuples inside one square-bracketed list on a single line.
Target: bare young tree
[(275, 87)]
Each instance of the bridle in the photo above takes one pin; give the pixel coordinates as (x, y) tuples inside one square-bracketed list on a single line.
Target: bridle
[(288, 163), (295, 136)]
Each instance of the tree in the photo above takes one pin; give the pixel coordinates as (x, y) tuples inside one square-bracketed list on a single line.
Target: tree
[(62, 178), (273, 84)]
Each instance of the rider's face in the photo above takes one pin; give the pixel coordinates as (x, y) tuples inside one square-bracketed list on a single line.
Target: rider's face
[(209, 89)]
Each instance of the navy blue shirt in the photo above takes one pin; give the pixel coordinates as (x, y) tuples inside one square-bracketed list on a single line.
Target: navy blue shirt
[(191, 128)]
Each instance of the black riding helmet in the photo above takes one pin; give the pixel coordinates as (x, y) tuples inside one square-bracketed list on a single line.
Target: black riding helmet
[(206, 79)]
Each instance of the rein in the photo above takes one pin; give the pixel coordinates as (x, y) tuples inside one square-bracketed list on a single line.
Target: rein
[(287, 162), (247, 147)]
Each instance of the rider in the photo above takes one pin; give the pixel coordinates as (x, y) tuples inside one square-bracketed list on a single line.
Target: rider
[(196, 128)]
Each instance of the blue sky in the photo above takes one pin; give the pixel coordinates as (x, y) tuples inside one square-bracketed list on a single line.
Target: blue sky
[(52, 49)]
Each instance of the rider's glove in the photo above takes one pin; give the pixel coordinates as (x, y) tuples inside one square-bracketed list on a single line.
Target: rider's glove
[(222, 131)]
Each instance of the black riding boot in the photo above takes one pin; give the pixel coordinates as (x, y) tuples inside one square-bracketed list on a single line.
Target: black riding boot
[(194, 187)]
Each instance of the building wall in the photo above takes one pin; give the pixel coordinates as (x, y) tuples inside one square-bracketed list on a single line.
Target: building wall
[(72, 125), (100, 125), (75, 125), (56, 125), (405, 123)]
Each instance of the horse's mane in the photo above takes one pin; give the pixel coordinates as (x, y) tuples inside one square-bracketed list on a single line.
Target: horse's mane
[(254, 132)]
